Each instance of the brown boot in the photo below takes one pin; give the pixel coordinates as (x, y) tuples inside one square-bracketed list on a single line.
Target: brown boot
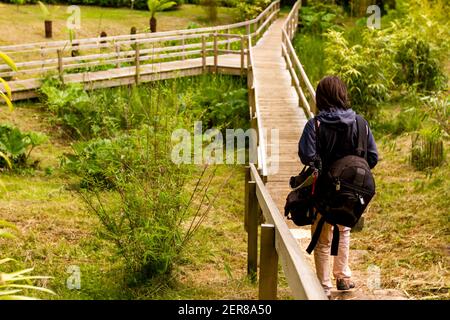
[(344, 284)]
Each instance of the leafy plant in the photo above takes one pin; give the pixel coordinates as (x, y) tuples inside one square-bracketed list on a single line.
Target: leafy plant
[(16, 145), (363, 67), (155, 6), (318, 18), (436, 108), (221, 108), (417, 66), (98, 162), (250, 9)]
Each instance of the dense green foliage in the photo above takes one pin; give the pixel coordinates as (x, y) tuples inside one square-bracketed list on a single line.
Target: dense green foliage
[(250, 9), (405, 55), (143, 215), (216, 101), (18, 145), (123, 164)]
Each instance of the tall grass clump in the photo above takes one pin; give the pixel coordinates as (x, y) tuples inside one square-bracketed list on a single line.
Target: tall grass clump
[(123, 163)]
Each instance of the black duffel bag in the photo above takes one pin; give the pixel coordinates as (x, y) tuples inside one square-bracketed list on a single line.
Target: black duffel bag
[(299, 205)]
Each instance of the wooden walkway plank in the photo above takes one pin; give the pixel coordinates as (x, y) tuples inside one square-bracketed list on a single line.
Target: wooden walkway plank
[(278, 102)]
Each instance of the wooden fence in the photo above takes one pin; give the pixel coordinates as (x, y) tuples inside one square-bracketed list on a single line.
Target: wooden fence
[(255, 113)]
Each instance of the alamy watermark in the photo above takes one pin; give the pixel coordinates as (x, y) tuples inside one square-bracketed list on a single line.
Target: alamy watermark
[(74, 280), (208, 147), (374, 20), (73, 22), (373, 277)]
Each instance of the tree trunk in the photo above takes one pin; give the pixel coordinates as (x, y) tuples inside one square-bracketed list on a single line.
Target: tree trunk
[(48, 28), (153, 24)]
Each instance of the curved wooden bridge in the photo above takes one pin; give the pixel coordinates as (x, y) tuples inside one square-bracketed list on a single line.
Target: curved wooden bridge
[(281, 100)]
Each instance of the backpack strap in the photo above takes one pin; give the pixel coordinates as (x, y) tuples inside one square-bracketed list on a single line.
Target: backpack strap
[(316, 235), (361, 150), (318, 159), (335, 241)]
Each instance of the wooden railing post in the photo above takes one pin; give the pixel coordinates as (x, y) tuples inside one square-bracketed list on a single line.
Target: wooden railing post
[(118, 55), (183, 57), (268, 269), (247, 29), (216, 53), (137, 63), (242, 54), (246, 197), (252, 232), (60, 65), (229, 39), (203, 53)]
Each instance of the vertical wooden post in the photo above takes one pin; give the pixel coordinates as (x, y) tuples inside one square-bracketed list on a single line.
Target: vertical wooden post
[(268, 269), (252, 235), (242, 54), (203, 53), (60, 65), (247, 29), (246, 197), (118, 54), (216, 53), (137, 63), (229, 40), (183, 57)]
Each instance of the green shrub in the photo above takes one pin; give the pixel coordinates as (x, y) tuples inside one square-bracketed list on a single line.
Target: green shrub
[(221, 109), (86, 115), (250, 9), (365, 68), (141, 215), (436, 107), (417, 66), (98, 161), (318, 17), (18, 145)]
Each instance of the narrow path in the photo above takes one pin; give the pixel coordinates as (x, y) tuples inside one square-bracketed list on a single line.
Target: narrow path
[(278, 103)]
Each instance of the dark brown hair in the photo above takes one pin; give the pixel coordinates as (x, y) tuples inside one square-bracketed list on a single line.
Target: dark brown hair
[(331, 93)]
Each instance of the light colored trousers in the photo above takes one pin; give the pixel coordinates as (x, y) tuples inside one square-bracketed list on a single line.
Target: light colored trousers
[(322, 253)]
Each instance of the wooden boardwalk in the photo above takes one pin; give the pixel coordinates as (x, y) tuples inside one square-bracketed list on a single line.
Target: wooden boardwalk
[(226, 64), (279, 111)]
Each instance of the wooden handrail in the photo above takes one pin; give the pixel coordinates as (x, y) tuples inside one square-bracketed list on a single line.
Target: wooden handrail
[(295, 67), (262, 154), (301, 278)]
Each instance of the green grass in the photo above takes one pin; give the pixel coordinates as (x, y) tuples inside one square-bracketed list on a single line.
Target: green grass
[(407, 229), (310, 50), (26, 23)]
